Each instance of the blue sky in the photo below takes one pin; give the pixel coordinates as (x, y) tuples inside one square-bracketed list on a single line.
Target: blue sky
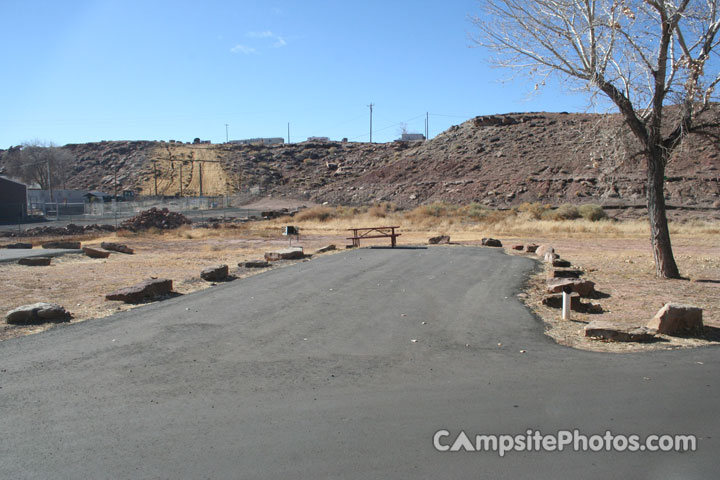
[(83, 71)]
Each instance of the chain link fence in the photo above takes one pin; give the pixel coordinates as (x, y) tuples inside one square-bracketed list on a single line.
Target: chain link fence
[(198, 209)]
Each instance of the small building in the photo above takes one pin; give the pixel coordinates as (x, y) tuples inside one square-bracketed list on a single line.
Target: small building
[(13, 200), (412, 137), (259, 141), (97, 196)]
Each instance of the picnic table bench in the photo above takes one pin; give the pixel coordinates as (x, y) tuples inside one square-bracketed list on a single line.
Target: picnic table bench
[(373, 232)]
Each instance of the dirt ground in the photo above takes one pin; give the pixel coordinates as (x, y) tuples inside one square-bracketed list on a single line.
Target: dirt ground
[(620, 264)]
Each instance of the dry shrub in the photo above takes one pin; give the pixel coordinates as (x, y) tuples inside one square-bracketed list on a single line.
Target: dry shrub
[(382, 210), (433, 210), (563, 212), (533, 210), (319, 214), (592, 212)]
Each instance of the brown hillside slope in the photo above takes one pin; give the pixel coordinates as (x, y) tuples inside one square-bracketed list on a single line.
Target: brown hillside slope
[(495, 160)]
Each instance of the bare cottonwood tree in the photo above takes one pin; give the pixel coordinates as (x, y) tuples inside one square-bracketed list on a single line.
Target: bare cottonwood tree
[(39, 162), (642, 54)]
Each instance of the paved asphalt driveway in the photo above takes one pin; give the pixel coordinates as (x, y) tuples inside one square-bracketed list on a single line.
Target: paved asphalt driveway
[(309, 372), (13, 255)]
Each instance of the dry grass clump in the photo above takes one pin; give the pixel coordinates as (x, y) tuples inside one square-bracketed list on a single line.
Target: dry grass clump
[(592, 212)]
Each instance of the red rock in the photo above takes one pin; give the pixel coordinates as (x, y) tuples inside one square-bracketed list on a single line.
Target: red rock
[(215, 274), (292, 253), (618, 333), (442, 239), (117, 247), (95, 252), (563, 273), (555, 301), (675, 319), (63, 245), (583, 287), (35, 261), (543, 249), (145, 291)]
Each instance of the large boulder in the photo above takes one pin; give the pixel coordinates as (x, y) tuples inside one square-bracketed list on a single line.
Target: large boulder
[(95, 252), (585, 288), (142, 292), (117, 247), (615, 332), (215, 274), (68, 245), (292, 253), (543, 249), (491, 242), (38, 313), (530, 247), (675, 319), (440, 239), (35, 261)]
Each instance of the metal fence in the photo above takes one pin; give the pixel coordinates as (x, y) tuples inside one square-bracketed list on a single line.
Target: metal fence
[(19, 216)]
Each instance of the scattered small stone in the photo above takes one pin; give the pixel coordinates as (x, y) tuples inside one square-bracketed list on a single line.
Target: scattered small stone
[(35, 261), (491, 242), (328, 248), (518, 247), (254, 264), (413, 341), (615, 332), (675, 319), (95, 252), (215, 274), (62, 245), (145, 291), (439, 240), (37, 313), (292, 253), (117, 247)]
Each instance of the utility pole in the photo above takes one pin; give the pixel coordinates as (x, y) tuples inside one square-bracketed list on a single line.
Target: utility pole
[(155, 175), (288, 132), (227, 137), (201, 179), (181, 164), (371, 107), (427, 125)]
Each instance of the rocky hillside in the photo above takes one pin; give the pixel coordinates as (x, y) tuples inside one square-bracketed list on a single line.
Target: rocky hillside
[(496, 160)]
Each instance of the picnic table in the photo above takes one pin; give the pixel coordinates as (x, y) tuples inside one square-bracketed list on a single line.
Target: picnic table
[(373, 232)]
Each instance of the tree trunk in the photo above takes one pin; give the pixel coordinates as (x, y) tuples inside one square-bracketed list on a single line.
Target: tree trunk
[(665, 266)]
